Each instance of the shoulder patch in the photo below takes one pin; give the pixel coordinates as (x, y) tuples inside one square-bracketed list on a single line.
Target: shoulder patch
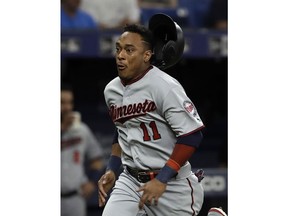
[(188, 105), (190, 108)]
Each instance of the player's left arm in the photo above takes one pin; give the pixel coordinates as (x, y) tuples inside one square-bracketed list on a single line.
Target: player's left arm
[(183, 150), (182, 116), (184, 120)]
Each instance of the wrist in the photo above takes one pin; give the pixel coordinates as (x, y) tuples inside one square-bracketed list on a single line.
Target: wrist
[(165, 174), (114, 164)]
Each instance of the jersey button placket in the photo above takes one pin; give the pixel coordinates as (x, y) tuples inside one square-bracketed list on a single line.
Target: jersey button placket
[(125, 101)]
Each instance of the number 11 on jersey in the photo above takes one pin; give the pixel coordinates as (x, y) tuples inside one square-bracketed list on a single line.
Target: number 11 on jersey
[(153, 126)]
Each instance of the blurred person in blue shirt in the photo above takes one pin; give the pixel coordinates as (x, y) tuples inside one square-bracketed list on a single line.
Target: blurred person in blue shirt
[(72, 17)]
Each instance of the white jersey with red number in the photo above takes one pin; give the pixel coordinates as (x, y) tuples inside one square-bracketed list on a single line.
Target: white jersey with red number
[(77, 143), (150, 114)]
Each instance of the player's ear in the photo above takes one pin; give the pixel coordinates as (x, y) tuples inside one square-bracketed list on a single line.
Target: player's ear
[(147, 55)]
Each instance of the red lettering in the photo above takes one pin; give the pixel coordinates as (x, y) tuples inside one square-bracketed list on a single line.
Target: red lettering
[(131, 110), (139, 107)]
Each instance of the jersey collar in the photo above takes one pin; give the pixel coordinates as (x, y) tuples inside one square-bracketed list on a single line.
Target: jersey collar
[(137, 78)]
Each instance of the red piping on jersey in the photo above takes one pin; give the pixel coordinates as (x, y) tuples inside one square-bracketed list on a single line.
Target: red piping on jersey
[(193, 131), (193, 211), (137, 78)]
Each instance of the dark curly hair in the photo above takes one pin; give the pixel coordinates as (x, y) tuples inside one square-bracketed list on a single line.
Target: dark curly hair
[(145, 33)]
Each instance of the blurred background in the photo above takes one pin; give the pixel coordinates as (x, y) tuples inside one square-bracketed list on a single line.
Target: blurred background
[(89, 29)]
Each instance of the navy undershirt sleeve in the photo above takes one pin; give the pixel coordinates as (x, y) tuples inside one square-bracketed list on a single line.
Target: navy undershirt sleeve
[(115, 137), (193, 139)]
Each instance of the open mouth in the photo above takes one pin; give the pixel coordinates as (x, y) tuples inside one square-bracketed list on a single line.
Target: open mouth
[(121, 66)]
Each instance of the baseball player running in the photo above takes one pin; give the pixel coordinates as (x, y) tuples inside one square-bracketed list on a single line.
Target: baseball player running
[(158, 130), (77, 143)]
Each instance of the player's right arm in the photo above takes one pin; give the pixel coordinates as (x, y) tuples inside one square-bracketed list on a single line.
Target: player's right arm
[(107, 181)]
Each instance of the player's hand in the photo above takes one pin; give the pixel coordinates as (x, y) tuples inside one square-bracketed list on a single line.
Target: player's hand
[(105, 183), (87, 189), (152, 190)]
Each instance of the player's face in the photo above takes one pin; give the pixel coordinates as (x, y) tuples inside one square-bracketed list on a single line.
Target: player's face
[(66, 103), (132, 56)]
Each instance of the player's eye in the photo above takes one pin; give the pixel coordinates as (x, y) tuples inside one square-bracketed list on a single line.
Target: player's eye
[(129, 50), (117, 49)]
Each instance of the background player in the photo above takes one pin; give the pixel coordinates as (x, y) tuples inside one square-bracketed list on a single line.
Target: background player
[(77, 143), (158, 130)]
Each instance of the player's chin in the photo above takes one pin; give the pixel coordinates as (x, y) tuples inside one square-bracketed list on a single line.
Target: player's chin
[(123, 73)]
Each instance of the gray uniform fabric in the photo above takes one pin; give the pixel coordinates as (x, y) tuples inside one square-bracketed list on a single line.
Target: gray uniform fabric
[(77, 143), (150, 114)]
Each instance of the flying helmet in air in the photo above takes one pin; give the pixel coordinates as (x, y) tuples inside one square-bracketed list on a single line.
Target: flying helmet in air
[(168, 40)]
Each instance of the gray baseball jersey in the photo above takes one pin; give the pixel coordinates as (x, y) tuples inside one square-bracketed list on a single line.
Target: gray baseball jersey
[(150, 114), (77, 143)]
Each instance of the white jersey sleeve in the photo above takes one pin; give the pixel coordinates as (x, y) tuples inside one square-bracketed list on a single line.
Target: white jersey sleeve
[(173, 104), (180, 112)]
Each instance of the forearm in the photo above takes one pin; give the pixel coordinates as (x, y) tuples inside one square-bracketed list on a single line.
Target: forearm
[(182, 152), (116, 150)]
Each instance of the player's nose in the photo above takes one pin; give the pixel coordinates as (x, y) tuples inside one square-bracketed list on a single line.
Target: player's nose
[(120, 55)]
